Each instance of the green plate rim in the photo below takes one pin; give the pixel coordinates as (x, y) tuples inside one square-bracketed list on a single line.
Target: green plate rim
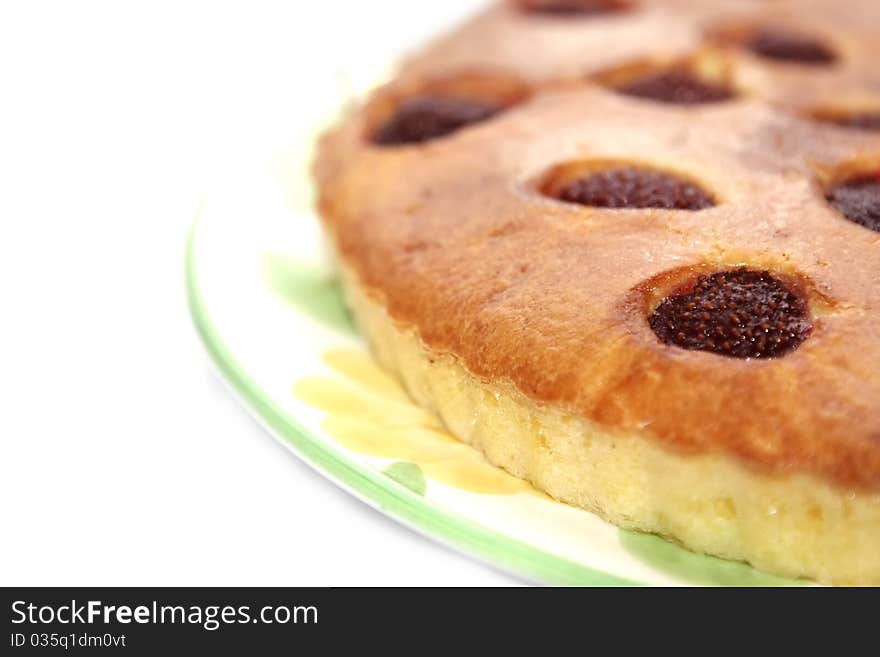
[(392, 498)]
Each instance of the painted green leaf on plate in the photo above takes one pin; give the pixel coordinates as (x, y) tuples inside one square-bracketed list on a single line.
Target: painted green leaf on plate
[(697, 568), (311, 289), (407, 474)]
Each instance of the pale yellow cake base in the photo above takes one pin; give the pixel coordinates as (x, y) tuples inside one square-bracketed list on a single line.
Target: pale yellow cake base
[(795, 526)]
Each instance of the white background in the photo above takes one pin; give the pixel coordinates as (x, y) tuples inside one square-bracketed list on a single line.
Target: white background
[(124, 460)]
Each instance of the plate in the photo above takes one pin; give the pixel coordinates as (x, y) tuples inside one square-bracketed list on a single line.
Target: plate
[(267, 306)]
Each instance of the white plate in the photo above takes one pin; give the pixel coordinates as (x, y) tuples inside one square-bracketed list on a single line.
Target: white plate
[(267, 307)]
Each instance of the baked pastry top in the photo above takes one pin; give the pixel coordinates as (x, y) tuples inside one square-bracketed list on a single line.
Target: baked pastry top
[(662, 216)]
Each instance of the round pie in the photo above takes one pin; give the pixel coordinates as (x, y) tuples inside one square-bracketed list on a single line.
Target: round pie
[(630, 250)]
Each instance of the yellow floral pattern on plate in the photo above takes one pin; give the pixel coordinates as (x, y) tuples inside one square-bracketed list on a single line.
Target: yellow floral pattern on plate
[(369, 412)]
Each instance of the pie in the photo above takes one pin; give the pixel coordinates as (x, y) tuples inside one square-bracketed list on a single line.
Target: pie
[(630, 250)]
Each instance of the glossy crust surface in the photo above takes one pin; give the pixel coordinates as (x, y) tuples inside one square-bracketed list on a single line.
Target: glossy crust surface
[(456, 239)]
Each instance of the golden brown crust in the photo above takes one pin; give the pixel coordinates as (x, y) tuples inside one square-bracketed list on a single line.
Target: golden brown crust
[(797, 526), (545, 50), (455, 239)]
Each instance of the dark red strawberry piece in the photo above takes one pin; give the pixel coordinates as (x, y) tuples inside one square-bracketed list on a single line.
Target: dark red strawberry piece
[(741, 313)]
